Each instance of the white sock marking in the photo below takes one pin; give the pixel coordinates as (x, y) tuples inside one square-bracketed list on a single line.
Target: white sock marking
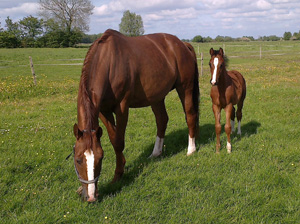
[(214, 78), (192, 146), (157, 150), (239, 128), (89, 155), (228, 147), (232, 126)]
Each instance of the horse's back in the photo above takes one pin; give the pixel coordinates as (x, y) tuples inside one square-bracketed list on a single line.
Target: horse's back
[(145, 68)]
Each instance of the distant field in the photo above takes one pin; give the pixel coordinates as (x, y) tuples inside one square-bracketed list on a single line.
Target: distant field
[(257, 183)]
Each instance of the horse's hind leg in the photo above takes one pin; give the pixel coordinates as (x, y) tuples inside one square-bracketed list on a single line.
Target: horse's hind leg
[(162, 118), (232, 119), (187, 101)]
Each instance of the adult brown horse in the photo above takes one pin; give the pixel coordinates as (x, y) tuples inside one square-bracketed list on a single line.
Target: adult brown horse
[(122, 72), (228, 89)]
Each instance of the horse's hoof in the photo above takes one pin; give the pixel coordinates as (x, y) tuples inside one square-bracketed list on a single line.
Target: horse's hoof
[(191, 151), (117, 177)]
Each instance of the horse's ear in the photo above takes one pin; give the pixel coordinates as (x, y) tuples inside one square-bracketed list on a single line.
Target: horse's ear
[(211, 51), (78, 134), (221, 52), (99, 132)]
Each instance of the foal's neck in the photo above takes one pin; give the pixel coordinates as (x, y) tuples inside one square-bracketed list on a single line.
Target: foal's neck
[(223, 77)]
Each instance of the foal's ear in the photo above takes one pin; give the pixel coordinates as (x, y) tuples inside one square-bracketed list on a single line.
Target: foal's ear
[(212, 52), (78, 134), (221, 52)]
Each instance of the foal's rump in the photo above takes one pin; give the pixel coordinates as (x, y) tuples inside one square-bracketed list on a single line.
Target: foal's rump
[(239, 83)]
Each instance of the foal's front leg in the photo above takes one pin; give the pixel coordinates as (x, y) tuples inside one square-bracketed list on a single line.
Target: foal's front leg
[(217, 113), (228, 110)]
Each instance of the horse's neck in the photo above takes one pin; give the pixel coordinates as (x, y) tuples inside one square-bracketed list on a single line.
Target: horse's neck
[(86, 115)]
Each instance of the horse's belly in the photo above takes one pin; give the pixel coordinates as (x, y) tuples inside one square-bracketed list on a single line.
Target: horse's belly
[(151, 87)]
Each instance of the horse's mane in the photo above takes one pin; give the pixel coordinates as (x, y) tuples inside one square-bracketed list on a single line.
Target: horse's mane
[(84, 95)]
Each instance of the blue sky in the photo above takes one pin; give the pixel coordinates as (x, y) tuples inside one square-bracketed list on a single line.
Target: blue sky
[(184, 18)]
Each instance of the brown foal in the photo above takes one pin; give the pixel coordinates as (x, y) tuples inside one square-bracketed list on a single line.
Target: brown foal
[(228, 89)]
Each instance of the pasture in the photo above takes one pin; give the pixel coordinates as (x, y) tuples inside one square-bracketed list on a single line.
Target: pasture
[(258, 182)]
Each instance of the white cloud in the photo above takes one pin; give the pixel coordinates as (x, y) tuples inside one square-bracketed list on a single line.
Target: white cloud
[(23, 9)]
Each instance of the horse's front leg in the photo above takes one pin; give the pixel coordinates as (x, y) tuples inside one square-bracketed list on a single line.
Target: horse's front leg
[(217, 113), (119, 140), (228, 110), (162, 118)]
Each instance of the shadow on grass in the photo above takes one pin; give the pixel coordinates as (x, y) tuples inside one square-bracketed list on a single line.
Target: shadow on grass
[(175, 142)]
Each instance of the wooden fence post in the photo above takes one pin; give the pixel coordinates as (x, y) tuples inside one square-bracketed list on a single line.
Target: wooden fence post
[(32, 70)]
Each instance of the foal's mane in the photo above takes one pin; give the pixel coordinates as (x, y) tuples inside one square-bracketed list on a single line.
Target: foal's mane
[(226, 59), (84, 95)]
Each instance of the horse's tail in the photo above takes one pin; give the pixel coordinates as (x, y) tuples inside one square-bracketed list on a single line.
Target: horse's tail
[(196, 96), (196, 91)]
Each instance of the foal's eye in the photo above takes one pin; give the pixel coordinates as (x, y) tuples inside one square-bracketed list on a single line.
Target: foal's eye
[(209, 64)]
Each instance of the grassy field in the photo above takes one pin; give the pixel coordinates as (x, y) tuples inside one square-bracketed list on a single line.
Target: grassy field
[(258, 182)]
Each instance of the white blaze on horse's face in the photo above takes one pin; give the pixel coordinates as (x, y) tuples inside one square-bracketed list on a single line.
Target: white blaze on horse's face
[(89, 155), (214, 78)]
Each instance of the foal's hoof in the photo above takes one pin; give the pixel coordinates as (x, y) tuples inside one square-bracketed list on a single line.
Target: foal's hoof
[(228, 147)]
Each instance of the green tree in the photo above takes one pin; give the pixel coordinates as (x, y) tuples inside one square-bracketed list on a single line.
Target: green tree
[(287, 35), (131, 24), (69, 17), (197, 39), (31, 28), (13, 28), (11, 37)]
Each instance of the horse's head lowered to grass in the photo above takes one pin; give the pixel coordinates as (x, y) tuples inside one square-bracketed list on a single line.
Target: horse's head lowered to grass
[(88, 155)]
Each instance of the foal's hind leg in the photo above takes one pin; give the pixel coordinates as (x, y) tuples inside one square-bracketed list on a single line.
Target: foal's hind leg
[(232, 119), (228, 110), (239, 115), (161, 117)]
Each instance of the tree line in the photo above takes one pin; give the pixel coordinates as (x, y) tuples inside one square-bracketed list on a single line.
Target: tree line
[(286, 36), (63, 23)]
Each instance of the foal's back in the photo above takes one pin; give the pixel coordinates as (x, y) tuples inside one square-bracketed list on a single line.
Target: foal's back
[(239, 84)]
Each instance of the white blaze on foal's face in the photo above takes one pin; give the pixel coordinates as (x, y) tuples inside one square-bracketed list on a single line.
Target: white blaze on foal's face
[(214, 77), (89, 155)]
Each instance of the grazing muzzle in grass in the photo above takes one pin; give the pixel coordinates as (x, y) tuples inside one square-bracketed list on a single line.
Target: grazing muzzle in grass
[(88, 155)]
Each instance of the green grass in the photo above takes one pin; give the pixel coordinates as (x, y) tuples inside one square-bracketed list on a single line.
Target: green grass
[(257, 183)]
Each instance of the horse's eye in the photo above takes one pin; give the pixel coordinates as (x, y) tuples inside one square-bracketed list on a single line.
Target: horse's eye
[(79, 161), (209, 64)]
